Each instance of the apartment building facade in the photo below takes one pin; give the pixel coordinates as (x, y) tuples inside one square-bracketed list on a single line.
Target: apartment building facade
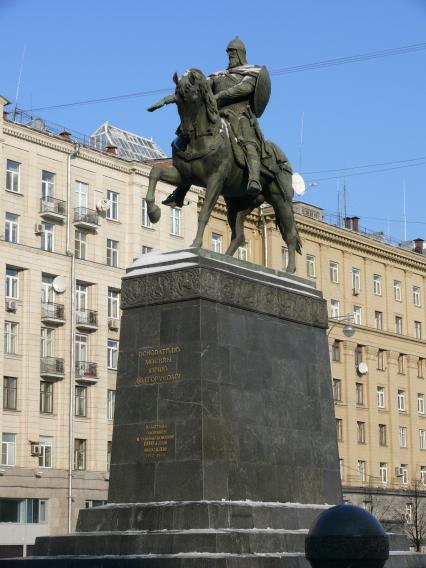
[(72, 219)]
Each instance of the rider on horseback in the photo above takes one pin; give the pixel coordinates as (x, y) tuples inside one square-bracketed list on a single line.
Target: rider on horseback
[(242, 93)]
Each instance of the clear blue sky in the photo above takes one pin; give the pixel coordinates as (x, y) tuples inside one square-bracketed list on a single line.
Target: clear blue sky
[(368, 112)]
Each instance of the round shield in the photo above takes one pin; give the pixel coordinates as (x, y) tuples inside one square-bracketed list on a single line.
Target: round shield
[(262, 92)]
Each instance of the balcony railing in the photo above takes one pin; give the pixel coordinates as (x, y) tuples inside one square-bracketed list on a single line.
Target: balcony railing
[(52, 367), (86, 371), (52, 312), (86, 217), (52, 207), (87, 319)]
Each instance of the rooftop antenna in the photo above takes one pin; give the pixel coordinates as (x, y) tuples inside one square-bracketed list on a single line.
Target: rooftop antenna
[(405, 210), (301, 140), (344, 198), (18, 85), (338, 204)]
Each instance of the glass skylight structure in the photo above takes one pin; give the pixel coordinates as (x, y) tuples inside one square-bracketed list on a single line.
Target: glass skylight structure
[(129, 145)]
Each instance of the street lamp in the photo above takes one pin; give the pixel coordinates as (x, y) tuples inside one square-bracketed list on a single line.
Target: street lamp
[(348, 328)]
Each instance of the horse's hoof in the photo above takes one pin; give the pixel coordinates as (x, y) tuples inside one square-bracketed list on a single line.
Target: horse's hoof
[(154, 213)]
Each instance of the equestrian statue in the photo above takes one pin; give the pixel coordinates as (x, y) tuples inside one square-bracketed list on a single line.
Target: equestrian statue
[(219, 146)]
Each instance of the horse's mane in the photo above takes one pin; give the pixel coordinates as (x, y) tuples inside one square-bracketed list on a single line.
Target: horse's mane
[(196, 76)]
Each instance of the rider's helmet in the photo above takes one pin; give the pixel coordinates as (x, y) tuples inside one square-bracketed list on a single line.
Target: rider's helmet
[(238, 46)]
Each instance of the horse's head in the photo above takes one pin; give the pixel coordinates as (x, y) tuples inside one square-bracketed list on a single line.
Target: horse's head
[(196, 103)]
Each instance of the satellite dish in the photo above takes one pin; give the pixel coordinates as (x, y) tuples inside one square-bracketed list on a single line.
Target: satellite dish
[(103, 204), (363, 368), (39, 124), (59, 284), (298, 184)]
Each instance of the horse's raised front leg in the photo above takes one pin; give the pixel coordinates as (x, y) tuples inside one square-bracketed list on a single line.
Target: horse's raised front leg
[(213, 189), (168, 175)]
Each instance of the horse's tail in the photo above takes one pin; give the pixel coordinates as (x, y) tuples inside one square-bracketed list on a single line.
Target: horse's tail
[(298, 243)]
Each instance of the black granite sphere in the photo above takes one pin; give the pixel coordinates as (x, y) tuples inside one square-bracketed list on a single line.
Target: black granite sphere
[(346, 536)]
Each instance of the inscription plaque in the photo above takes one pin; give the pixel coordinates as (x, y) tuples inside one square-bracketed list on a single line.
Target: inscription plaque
[(158, 440), (158, 365)]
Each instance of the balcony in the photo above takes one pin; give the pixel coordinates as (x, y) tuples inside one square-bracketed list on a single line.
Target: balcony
[(86, 319), (51, 208), (52, 313), (85, 371), (86, 218), (52, 367)]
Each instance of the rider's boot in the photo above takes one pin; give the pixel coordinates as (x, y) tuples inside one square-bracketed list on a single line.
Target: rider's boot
[(176, 198), (253, 163)]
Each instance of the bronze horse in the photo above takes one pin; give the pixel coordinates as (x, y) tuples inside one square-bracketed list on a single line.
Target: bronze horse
[(204, 154)]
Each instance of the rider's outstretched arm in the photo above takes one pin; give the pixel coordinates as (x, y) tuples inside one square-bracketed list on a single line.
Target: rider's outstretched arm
[(165, 101)]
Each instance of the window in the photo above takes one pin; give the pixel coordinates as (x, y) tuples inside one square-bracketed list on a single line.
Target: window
[(45, 460), (113, 303), (80, 348), (409, 513), (80, 401), (380, 360), (357, 315), (362, 469), (80, 244), (310, 265), (359, 389), (335, 351), (422, 439), (382, 434), (377, 285), (112, 212), (420, 366), (11, 337), (401, 363), (11, 228), (10, 385), (337, 389), (360, 432), (341, 468), (418, 329), (216, 242), (378, 320), (402, 437), (416, 295), (112, 353), (404, 473), (145, 218), (398, 325), (8, 448), (111, 403), (46, 397), (401, 400), (242, 253), (383, 472), (81, 194), (335, 308), (47, 290), (47, 342), (339, 429), (79, 454), (47, 237), (420, 403), (397, 290), (146, 249), (356, 280), (358, 355), (380, 397), (334, 271), (80, 296), (12, 283), (423, 474), (112, 253), (47, 184), (175, 228), (284, 257), (12, 176), (23, 510)]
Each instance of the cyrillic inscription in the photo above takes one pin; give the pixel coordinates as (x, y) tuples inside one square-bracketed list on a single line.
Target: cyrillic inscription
[(158, 365), (158, 440)]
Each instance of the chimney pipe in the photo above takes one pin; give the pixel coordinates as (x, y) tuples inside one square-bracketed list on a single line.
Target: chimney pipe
[(5, 113), (348, 224), (65, 135), (355, 224), (111, 150), (418, 245)]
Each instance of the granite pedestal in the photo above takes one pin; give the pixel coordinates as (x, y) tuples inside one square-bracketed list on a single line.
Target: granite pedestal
[(224, 446)]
